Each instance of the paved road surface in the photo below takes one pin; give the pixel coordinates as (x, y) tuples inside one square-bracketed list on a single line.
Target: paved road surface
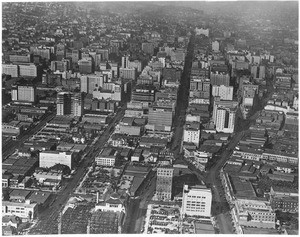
[(47, 223), (11, 146)]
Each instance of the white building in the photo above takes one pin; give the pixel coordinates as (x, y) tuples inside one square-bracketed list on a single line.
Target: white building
[(25, 210), (193, 118), (28, 70), (10, 69), (107, 157), (51, 158), (113, 204), (202, 31), (24, 93), (191, 133), (225, 120), (91, 82), (215, 46), (196, 201), (225, 92)]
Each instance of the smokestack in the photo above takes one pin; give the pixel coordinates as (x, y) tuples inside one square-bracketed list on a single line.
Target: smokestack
[(97, 201)]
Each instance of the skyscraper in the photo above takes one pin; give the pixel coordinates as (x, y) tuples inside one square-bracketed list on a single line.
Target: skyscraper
[(164, 183), (125, 62), (24, 93), (85, 65), (63, 104), (225, 120), (69, 103)]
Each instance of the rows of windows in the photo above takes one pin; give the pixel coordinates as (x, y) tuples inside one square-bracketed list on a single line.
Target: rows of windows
[(190, 196)]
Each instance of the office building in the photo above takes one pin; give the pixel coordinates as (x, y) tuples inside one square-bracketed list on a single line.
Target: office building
[(196, 201), (41, 51), (69, 103), (24, 210), (18, 58), (135, 64), (219, 78), (60, 52), (62, 66), (114, 67), (191, 133), (104, 53), (125, 62), (107, 157), (74, 55), (91, 82), (164, 183), (160, 116), (24, 93), (10, 69), (64, 103), (85, 65), (128, 73), (28, 70), (225, 120), (222, 103), (224, 92), (143, 93), (77, 104), (48, 159)]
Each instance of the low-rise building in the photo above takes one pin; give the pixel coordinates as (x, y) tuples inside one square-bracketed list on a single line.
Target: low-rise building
[(51, 158), (107, 157), (25, 210)]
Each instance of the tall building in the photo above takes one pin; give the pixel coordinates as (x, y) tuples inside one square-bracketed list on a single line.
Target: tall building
[(17, 58), (64, 103), (225, 92), (104, 53), (222, 103), (77, 105), (69, 103), (74, 54), (135, 64), (125, 62), (143, 93), (160, 116), (28, 70), (24, 93), (10, 69), (225, 120), (115, 69), (219, 78), (60, 52), (85, 65), (41, 51), (89, 83), (164, 183), (196, 201), (128, 73), (61, 66), (191, 133)]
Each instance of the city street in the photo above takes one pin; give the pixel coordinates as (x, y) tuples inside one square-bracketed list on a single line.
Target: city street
[(11, 146), (47, 223)]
